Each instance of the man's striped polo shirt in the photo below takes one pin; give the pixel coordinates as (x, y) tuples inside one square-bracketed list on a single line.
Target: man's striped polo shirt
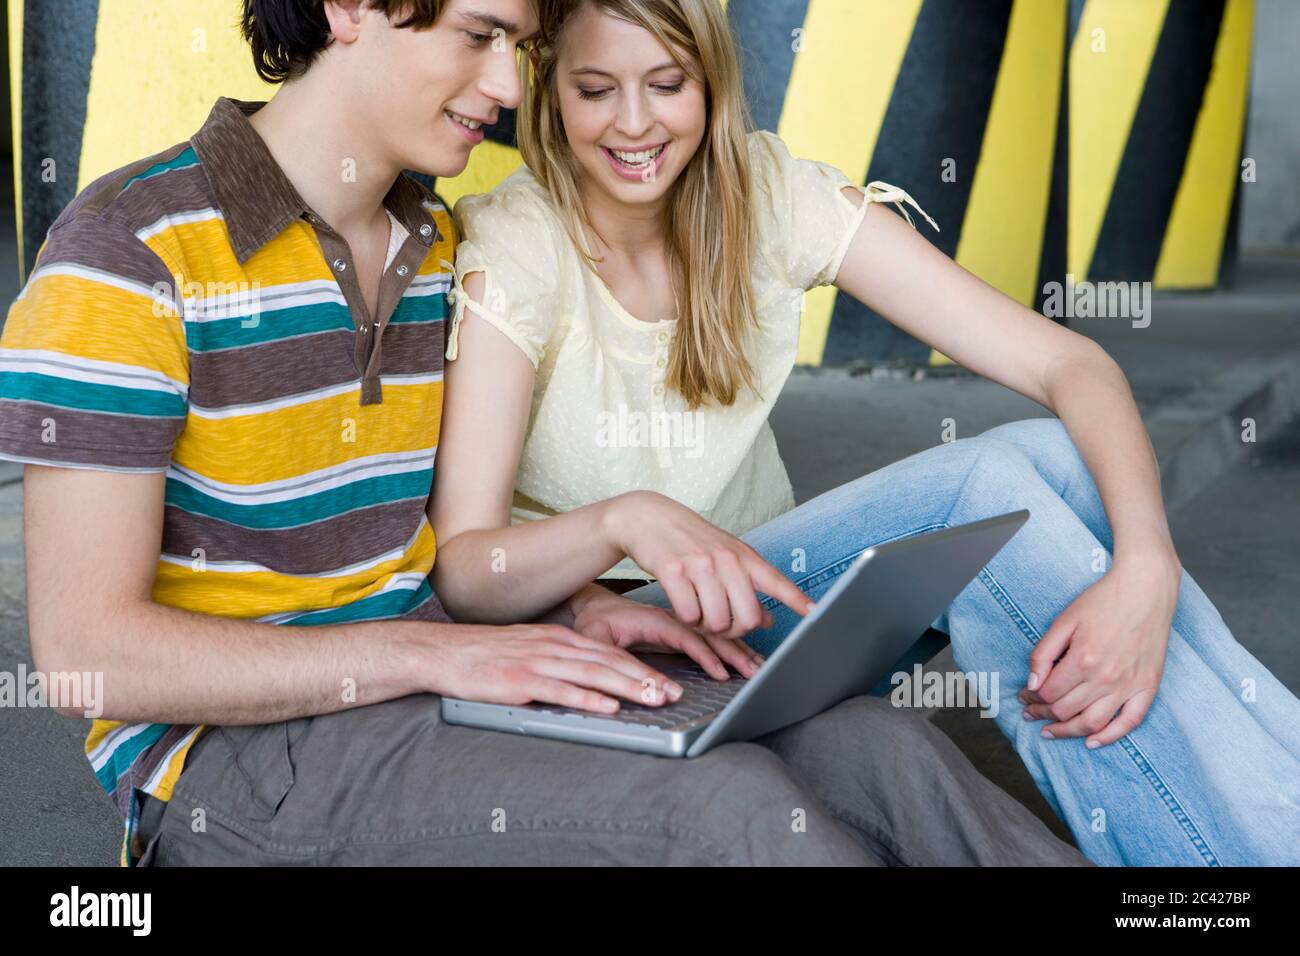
[(189, 314)]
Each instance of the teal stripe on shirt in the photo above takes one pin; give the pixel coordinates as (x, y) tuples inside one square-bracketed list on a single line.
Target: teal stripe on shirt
[(90, 397), (275, 325), (367, 492), (270, 326), (186, 157), (125, 754), (420, 309), (391, 604)]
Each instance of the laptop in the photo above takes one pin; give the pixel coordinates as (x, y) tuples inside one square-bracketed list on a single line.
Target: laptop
[(859, 629)]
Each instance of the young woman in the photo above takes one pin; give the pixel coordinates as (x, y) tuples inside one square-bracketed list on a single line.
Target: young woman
[(647, 266)]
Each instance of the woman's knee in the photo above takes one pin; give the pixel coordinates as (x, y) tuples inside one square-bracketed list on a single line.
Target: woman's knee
[(984, 454), (1033, 431), (1046, 444)]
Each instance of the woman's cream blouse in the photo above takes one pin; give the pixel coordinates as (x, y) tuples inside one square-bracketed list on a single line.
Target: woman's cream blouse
[(603, 420)]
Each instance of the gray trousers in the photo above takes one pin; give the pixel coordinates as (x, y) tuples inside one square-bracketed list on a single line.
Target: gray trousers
[(862, 784)]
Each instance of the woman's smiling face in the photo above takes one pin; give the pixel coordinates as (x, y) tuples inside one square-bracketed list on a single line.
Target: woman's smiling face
[(633, 117)]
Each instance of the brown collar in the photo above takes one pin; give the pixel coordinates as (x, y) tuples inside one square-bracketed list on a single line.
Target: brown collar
[(256, 198)]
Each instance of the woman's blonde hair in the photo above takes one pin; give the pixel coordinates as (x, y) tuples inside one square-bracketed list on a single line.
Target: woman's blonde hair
[(709, 223)]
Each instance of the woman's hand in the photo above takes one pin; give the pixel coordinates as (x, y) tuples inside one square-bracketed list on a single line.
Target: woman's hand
[(710, 576), (605, 616), (1096, 670)]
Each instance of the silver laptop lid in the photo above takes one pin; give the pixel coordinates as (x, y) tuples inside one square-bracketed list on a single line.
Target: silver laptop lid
[(861, 626)]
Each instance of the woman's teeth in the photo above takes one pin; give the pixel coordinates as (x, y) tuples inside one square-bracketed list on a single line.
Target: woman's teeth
[(642, 158), (472, 124)]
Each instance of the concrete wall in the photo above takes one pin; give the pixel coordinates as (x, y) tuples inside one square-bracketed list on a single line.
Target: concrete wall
[(1271, 205)]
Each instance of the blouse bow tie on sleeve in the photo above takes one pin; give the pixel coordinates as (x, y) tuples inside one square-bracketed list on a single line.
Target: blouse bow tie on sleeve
[(878, 191)]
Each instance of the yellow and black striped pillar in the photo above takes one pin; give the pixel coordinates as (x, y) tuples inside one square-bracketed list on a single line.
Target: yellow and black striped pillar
[(1158, 99), (1036, 154), (959, 103)]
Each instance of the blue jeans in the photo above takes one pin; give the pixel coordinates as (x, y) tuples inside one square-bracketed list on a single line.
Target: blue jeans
[(1212, 774)]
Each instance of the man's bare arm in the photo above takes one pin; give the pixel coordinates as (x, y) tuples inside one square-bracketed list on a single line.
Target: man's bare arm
[(93, 540), (92, 550)]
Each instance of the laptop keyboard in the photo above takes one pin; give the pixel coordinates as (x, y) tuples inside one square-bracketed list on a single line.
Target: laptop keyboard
[(702, 696)]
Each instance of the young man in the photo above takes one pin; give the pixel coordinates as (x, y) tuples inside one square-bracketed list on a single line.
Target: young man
[(224, 375)]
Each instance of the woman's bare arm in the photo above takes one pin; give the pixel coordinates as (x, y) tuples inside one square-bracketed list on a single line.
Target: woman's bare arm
[(1117, 630), (488, 570), (897, 272)]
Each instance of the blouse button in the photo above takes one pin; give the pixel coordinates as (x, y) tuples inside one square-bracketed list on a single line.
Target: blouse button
[(660, 362), (663, 336), (658, 390)]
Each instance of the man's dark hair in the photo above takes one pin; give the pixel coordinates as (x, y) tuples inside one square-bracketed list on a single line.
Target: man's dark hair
[(286, 35)]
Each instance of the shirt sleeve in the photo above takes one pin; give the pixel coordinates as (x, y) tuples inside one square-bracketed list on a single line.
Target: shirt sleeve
[(94, 371), (510, 238), (804, 222)]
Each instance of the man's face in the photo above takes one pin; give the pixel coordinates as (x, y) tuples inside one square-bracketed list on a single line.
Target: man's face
[(423, 95)]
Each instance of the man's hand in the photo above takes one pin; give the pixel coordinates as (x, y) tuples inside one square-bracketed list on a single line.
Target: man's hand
[(545, 664), (601, 614)]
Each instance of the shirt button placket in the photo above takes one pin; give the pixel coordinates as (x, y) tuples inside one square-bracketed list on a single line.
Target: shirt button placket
[(340, 266), (363, 347)]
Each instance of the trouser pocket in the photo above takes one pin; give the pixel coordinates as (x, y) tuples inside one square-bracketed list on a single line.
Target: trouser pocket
[(263, 763), (150, 827)]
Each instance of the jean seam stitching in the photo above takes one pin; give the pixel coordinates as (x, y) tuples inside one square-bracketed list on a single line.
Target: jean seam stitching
[(1004, 600), (1172, 803), (1140, 760)]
